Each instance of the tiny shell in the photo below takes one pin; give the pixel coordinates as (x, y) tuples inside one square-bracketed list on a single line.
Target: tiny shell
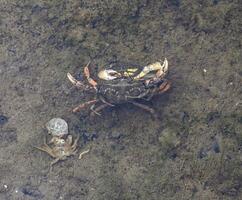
[(57, 127)]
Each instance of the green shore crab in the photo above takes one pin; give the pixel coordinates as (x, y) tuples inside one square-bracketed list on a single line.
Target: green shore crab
[(127, 86)]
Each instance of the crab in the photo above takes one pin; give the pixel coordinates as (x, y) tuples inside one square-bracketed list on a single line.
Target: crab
[(62, 148), (118, 87)]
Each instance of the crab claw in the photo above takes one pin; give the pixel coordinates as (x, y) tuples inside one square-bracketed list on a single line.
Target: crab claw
[(89, 79), (161, 69), (74, 81), (108, 74), (86, 70)]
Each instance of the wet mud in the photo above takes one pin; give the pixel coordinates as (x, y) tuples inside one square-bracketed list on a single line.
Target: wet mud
[(193, 151)]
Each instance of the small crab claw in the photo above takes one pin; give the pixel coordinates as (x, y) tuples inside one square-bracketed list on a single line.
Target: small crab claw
[(108, 74), (86, 70), (89, 79), (75, 82)]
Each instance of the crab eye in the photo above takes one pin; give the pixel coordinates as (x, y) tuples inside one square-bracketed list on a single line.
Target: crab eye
[(62, 141)]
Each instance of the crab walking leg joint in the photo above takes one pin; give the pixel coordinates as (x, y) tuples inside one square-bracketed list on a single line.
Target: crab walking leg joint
[(89, 79), (145, 107), (96, 110), (164, 87)]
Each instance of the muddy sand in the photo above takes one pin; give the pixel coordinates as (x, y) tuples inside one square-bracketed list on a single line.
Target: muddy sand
[(193, 151)]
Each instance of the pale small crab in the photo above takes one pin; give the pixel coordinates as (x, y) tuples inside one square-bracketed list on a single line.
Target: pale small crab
[(61, 149)]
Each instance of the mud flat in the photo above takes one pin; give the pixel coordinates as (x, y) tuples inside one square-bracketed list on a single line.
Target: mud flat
[(192, 152)]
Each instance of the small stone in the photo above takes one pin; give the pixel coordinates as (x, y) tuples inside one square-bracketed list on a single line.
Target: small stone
[(216, 147), (202, 153), (89, 136), (115, 135), (168, 139), (3, 120), (32, 192), (57, 127)]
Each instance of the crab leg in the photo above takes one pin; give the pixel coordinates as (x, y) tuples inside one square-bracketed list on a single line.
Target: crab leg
[(89, 79), (96, 111), (74, 145), (164, 87), (83, 105), (145, 107), (82, 153), (47, 149), (140, 96), (106, 102), (75, 82), (54, 162)]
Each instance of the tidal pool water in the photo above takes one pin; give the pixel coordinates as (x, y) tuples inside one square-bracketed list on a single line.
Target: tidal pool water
[(193, 151)]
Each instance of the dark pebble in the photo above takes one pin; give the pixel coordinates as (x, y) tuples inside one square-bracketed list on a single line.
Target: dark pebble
[(240, 120), (115, 135), (89, 136), (215, 2), (37, 9), (202, 153), (212, 116), (216, 147), (52, 40), (184, 116), (3, 119), (175, 3), (172, 155), (32, 192)]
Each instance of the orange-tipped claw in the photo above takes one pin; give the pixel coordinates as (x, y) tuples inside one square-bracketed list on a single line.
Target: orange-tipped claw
[(92, 82), (86, 70), (89, 79)]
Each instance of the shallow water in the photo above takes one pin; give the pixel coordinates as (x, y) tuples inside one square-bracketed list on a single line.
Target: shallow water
[(191, 152)]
